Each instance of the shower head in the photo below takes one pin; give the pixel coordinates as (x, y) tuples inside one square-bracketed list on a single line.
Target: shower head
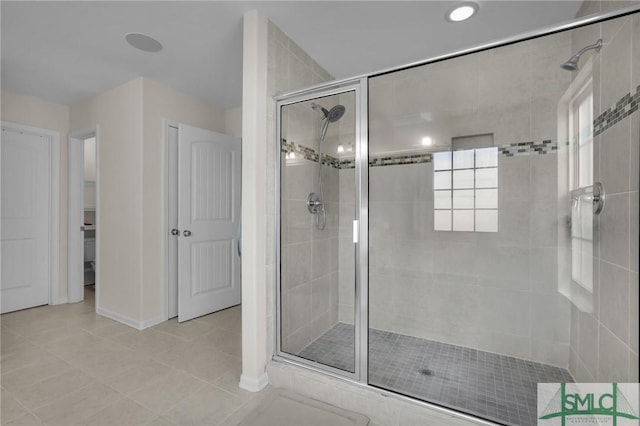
[(333, 115), (572, 63)]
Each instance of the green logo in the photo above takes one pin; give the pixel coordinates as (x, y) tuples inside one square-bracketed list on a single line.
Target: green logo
[(603, 403)]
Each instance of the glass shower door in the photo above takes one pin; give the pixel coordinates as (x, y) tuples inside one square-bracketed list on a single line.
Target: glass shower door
[(317, 210)]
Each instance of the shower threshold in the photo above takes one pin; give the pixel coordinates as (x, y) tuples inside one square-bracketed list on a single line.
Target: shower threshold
[(495, 387)]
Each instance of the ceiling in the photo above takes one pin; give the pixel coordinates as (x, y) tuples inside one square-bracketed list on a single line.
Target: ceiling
[(66, 51)]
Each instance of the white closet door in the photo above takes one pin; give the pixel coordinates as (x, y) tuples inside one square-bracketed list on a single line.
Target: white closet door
[(26, 189), (208, 216)]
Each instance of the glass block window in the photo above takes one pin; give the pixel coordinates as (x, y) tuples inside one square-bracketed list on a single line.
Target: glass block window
[(465, 190)]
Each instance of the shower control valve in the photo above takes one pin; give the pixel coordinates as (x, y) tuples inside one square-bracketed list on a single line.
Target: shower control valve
[(314, 204)]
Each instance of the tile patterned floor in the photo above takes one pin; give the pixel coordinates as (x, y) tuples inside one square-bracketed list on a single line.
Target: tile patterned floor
[(495, 387), (65, 365)]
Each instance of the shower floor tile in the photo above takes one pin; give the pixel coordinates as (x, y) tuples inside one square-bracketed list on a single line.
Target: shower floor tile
[(492, 386)]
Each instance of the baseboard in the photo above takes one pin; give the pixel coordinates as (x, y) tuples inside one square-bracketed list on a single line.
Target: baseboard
[(60, 301), (120, 318), (254, 384), (152, 322), (138, 325)]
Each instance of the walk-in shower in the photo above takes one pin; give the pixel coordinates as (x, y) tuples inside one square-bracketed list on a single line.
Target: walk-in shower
[(464, 271), (315, 201)]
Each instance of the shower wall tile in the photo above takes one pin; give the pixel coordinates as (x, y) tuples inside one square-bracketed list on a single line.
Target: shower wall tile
[(614, 299), (543, 270), (299, 306), (615, 62), (582, 374), (614, 230), (513, 222), (588, 342), (634, 213), (321, 296), (298, 179), (321, 324), (297, 261), (551, 319), (575, 318), (504, 96), (613, 155), (455, 259), (514, 178), (544, 177), (334, 298), (634, 332), (634, 150), (297, 221), (320, 258), (551, 353), (633, 367), (297, 340), (635, 45), (504, 311), (544, 226), (613, 356), (503, 343), (502, 266)]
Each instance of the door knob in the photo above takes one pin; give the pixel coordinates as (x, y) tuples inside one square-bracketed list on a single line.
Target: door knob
[(186, 233), (175, 232)]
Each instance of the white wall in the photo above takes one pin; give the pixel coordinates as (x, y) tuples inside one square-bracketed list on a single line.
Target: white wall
[(233, 122), (32, 111), (117, 116)]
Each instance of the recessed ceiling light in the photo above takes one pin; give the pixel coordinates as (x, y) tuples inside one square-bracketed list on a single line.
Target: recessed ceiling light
[(462, 11), (143, 42), (426, 141)]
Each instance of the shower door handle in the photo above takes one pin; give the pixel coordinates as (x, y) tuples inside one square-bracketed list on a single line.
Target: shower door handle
[(356, 232)]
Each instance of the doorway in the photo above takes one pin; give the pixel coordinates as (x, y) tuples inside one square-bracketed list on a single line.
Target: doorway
[(203, 170), (83, 215)]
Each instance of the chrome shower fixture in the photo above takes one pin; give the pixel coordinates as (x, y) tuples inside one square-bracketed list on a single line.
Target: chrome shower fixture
[(315, 202), (572, 64), (333, 115)]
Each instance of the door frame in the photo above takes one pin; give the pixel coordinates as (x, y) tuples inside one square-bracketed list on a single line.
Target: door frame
[(359, 86), (75, 289), (54, 204), (166, 124)]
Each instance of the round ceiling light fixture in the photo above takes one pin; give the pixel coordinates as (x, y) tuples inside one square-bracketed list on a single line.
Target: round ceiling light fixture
[(143, 42), (462, 11)]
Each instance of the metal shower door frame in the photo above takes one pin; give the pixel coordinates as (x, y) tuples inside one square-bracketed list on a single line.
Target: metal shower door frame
[(359, 87)]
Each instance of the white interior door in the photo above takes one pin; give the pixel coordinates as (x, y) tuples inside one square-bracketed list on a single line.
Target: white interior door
[(26, 192), (208, 216)]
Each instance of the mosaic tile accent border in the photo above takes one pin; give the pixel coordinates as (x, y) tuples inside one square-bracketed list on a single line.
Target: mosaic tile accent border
[(302, 151), (510, 150), (527, 148), (626, 106)]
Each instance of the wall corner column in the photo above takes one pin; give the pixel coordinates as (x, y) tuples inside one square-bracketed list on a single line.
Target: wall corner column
[(254, 174)]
